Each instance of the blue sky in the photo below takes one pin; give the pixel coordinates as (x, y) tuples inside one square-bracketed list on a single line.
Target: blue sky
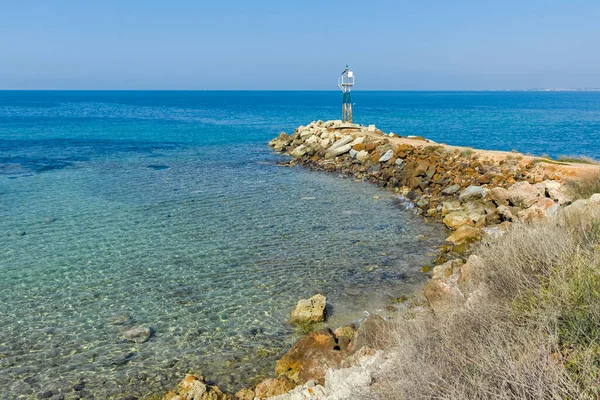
[(396, 45)]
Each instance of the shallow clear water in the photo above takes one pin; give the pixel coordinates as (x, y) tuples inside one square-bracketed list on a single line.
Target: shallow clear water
[(166, 209)]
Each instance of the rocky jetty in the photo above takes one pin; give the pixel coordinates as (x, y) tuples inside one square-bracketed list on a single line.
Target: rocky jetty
[(476, 194)]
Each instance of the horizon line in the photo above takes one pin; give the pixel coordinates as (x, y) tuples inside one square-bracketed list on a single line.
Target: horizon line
[(590, 89)]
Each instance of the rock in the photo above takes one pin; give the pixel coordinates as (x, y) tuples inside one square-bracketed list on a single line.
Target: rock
[(557, 192), (310, 310), (452, 189), (443, 293), (309, 391), (274, 386), (348, 383), (193, 387), (138, 334), (300, 151), (472, 193), (341, 142), (245, 394), (345, 332), (358, 140), (387, 156), (450, 206), (353, 153), (508, 213), (311, 356), (595, 198), (456, 219), (523, 194), (338, 151), (578, 204), (464, 234), (499, 196), (371, 128), (362, 156), (399, 162), (446, 269)]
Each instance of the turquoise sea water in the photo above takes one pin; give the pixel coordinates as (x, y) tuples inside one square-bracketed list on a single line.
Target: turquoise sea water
[(167, 210)]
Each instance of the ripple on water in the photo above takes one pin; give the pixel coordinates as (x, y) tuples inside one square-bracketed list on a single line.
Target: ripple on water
[(210, 253)]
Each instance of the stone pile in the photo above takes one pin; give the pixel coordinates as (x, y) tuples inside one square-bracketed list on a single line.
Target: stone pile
[(473, 194)]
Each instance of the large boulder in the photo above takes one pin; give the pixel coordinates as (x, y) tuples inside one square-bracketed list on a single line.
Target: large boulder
[(310, 310), (523, 194), (464, 234), (456, 219), (499, 195), (300, 151), (194, 387), (341, 142), (387, 156), (338, 151), (443, 293), (311, 356)]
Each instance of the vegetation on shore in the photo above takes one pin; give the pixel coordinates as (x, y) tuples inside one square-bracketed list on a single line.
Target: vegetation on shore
[(530, 328), (584, 187)]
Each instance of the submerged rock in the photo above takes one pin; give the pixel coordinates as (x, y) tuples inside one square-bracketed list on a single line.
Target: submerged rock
[(138, 334), (310, 310)]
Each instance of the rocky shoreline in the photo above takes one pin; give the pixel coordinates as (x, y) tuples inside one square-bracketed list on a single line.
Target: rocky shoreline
[(477, 194)]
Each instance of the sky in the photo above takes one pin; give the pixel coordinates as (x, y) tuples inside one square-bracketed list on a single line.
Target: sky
[(299, 45)]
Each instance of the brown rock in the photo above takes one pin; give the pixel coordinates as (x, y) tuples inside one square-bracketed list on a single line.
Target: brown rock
[(274, 386), (464, 234), (456, 219), (523, 194), (443, 293), (245, 394), (311, 356)]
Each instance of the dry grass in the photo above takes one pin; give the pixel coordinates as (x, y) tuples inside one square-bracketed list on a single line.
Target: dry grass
[(530, 329), (584, 187), (577, 160)]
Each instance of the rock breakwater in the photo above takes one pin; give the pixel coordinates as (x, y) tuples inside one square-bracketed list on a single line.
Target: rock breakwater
[(476, 194)]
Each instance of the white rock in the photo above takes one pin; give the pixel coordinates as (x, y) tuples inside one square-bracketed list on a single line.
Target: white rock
[(347, 383), (399, 161), (359, 140), (595, 198), (341, 142), (353, 153), (362, 155), (371, 128), (472, 192), (300, 151), (338, 151), (387, 156)]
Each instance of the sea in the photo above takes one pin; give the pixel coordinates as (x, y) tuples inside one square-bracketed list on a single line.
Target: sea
[(167, 210)]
